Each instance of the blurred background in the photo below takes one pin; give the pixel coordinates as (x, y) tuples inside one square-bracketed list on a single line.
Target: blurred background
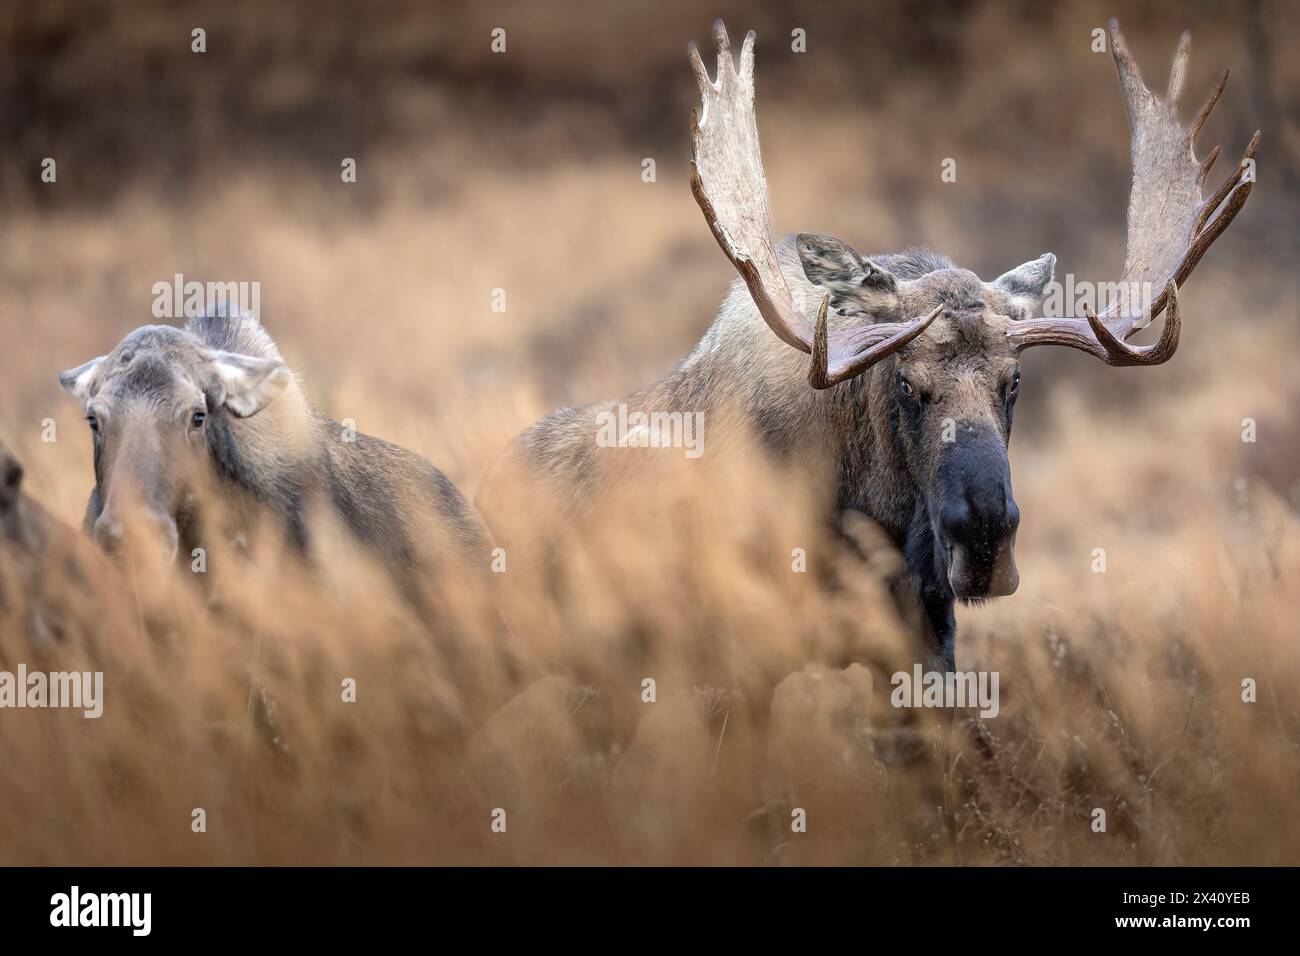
[(522, 171)]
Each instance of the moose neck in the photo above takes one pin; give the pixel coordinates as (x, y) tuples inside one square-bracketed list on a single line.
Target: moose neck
[(851, 430), (873, 478)]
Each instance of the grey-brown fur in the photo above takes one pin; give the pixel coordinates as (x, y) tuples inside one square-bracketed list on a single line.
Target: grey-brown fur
[(281, 458)]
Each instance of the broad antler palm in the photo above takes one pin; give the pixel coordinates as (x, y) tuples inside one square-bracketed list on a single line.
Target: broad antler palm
[(728, 182), (1170, 225)]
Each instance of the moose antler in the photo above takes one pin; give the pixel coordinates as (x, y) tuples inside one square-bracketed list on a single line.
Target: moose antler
[(1169, 225), (729, 185)]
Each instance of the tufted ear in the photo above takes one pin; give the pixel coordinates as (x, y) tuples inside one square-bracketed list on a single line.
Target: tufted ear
[(78, 381), (1027, 283), (246, 384), (835, 265)]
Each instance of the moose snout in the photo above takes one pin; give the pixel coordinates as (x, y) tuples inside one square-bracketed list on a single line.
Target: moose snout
[(984, 515), (111, 533), (977, 518)]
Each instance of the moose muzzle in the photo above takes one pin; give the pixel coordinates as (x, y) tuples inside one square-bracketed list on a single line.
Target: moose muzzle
[(978, 517)]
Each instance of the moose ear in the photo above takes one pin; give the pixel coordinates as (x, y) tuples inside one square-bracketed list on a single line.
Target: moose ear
[(79, 380), (834, 264), (246, 384), (1027, 284)]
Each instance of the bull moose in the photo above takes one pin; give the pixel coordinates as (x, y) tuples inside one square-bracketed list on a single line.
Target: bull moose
[(173, 410), (914, 374)]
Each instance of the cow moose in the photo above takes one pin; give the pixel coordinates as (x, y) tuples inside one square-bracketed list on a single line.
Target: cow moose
[(176, 410), (914, 375)]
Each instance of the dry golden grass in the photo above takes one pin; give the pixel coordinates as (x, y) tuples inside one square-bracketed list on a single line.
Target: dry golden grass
[(1120, 690)]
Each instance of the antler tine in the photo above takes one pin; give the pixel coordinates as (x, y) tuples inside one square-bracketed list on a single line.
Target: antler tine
[(729, 185), (1117, 352), (1170, 226), (1242, 176), (747, 59), (1130, 77), (1208, 165), (1204, 112), (701, 77), (874, 342), (1178, 72), (726, 63)]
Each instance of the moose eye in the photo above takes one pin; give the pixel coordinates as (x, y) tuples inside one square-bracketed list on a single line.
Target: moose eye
[(1013, 387), (905, 386), (198, 418), (93, 422)]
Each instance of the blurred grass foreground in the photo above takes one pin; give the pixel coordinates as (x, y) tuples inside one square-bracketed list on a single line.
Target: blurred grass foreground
[(1162, 691)]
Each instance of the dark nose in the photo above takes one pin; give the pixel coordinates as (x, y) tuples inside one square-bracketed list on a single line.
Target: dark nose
[(979, 513), (976, 504), (109, 534)]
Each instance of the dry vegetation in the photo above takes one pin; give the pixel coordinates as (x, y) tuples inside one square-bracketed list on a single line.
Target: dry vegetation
[(1120, 690)]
